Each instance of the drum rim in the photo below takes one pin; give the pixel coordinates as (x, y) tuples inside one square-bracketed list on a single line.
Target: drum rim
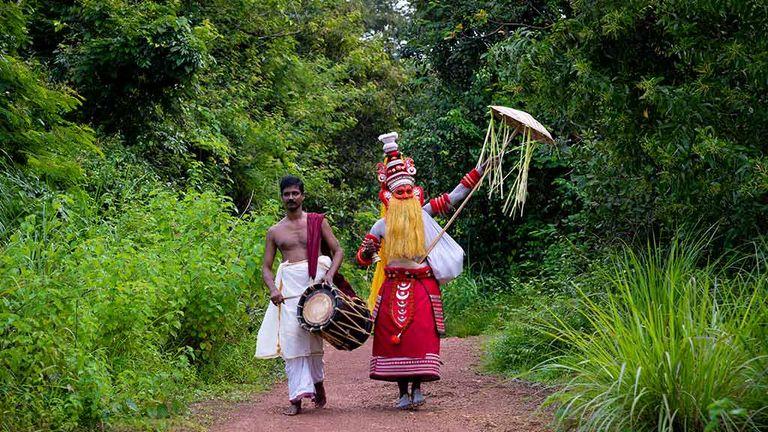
[(337, 294), (336, 300)]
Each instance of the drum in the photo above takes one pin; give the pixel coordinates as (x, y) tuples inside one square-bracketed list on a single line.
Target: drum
[(343, 321)]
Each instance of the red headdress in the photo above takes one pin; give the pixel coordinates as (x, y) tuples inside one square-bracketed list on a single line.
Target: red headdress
[(396, 173)]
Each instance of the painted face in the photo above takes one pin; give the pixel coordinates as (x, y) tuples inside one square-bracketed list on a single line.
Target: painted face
[(292, 197), (403, 192)]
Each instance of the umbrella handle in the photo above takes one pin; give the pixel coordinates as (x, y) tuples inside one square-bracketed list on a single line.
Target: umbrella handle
[(453, 218)]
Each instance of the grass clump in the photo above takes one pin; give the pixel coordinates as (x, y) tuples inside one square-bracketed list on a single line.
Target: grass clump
[(473, 304), (671, 346), (521, 345)]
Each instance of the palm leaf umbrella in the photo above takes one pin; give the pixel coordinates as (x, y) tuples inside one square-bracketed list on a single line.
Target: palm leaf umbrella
[(499, 142)]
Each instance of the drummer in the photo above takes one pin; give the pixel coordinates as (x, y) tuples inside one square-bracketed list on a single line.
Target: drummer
[(280, 334)]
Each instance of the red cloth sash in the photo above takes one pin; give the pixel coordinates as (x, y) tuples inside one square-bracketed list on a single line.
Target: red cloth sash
[(314, 245), (314, 238)]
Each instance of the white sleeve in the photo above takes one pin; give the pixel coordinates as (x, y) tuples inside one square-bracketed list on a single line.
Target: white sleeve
[(456, 196), (378, 229)]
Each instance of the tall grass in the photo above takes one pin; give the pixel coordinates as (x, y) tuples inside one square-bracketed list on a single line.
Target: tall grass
[(672, 346), (20, 195)]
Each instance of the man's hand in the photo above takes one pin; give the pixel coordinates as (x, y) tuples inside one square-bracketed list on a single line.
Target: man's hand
[(276, 297), (328, 279)]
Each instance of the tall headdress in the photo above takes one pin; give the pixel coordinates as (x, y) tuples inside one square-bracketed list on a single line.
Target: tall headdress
[(396, 173)]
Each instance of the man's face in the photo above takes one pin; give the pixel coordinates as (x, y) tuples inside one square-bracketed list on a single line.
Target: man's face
[(292, 198)]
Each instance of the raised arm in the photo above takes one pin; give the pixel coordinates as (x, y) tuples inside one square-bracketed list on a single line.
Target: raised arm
[(266, 268), (336, 250), (444, 203)]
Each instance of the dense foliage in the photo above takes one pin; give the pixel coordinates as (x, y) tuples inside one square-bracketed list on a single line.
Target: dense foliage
[(34, 129), (106, 317), (659, 111), (141, 146), (141, 141)]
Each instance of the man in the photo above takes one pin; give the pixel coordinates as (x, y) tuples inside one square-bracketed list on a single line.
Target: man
[(297, 236), (407, 307)]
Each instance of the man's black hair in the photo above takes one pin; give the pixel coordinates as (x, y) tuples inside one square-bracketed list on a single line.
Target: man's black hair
[(289, 181)]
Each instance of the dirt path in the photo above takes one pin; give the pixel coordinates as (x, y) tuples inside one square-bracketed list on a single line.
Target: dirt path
[(463, 400)]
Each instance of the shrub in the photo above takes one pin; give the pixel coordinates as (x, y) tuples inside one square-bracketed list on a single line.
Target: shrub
[(472, 304), (521, 345), (110, 317)]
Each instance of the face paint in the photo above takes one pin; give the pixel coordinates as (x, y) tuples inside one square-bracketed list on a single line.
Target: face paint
[(403, 192)]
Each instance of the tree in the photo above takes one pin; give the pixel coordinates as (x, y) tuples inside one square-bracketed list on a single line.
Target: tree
[(657, 109), (35, 132)]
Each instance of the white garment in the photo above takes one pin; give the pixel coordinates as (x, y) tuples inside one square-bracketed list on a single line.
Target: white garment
[(446, 259), (303, 373), (280, 334)]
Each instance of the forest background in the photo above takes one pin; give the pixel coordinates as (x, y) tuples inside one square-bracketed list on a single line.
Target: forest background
[(141, 143)]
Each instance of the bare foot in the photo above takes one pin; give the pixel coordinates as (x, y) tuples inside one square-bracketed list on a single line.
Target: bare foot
[(320, 398), (293, 410)]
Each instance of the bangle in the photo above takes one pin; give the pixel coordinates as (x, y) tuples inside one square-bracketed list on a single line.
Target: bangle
[(441, 204), (471, 179), (361, 255), (361, 259)]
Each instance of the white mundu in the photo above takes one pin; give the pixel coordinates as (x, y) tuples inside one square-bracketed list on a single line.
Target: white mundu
[(280, 334)]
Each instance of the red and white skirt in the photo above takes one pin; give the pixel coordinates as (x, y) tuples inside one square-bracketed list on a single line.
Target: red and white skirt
[(408, 324)]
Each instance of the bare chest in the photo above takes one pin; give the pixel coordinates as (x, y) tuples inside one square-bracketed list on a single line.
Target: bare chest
[(291, 238)]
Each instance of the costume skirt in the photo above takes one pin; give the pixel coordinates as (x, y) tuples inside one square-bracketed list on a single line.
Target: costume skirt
[(406, 344)]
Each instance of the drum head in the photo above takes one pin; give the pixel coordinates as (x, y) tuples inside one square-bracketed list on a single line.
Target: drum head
[(318, 308)]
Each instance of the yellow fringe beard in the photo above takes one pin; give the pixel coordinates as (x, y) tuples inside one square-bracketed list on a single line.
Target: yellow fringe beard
[(404, 230)]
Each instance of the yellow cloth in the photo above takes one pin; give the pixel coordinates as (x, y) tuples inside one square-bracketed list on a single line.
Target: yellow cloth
[(378, 274)]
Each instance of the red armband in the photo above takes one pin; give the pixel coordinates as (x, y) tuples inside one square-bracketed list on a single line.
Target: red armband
[(470, 180), (441, 204), (365, 257)]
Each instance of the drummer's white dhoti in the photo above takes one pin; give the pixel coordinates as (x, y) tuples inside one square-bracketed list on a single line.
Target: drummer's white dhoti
[(303, 373), (280, 334)]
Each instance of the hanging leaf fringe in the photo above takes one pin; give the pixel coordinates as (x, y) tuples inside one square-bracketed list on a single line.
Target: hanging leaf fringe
[(498, 143)]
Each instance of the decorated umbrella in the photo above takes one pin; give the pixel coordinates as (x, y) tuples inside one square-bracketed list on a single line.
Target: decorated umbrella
[(498, 143)]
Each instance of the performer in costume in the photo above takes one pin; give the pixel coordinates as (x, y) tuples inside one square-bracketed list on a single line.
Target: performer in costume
[(298, 236), (408, 310)]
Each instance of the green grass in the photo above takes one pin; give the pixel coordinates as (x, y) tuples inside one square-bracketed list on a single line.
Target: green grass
[(473, 304), (671, 346), (520, 345)]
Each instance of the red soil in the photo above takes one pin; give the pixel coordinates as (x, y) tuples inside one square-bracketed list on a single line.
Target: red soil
[(463, 400)]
